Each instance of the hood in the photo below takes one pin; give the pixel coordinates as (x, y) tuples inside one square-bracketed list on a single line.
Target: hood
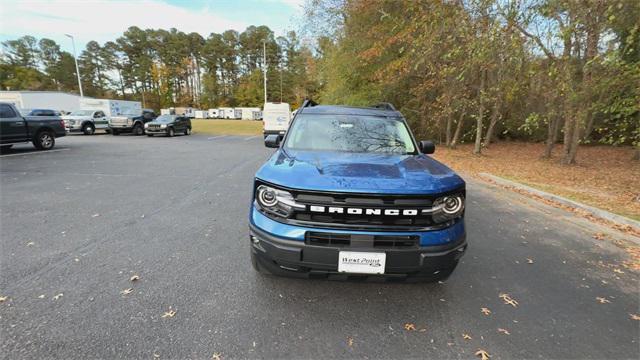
[(359, 172), (75, 117)]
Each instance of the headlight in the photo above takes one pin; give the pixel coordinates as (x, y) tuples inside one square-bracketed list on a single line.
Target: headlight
[(275, 201), (448, 207), (146, 126), (163, 126), (129, 122)]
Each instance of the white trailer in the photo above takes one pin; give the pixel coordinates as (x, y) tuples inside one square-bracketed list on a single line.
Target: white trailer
[(54, 100), (112, 107), (246, 113), (201, 114), (186, 111), (226, 113), (213, 113), (169, 111)]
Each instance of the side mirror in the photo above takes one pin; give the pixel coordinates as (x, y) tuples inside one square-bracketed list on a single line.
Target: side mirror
[(272, 141), (427, 147)]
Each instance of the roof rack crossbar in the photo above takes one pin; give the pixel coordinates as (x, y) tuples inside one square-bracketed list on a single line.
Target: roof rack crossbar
[(384, 105)]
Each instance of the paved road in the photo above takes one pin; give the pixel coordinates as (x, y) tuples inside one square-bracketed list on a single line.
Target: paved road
[(81, 221)]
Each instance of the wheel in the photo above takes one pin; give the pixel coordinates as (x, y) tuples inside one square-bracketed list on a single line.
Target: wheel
[(115, 132), (170, 132), (44, 140), (88, 129), (187, 131), (5, 147), (150, 135), (138, 129)]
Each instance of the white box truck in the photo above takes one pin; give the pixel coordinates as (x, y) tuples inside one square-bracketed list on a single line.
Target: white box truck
[(51, 100), (275, 118)]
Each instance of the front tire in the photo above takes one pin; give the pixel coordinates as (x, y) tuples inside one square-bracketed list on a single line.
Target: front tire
[(88, 129), (44, 140), (187, 131), (171, 132), (138, 129), (150, 135), (115, 132)]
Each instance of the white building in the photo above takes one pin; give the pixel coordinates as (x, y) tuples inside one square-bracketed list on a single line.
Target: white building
[(53, 100)]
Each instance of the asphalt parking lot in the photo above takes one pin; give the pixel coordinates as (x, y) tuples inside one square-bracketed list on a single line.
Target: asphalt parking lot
[(78, 222)]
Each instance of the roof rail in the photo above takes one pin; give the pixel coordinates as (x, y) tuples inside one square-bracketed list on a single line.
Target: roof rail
[(384, 106), (308, 103)]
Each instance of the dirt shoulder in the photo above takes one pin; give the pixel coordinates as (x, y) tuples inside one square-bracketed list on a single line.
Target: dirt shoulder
[(604, 177)]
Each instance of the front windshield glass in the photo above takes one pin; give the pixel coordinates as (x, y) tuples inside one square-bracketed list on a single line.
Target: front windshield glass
[(165, 118), (82, 113), (350, 133)]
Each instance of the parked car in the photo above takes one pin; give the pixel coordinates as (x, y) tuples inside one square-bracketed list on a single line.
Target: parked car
[(86, 121), (43, 112), (349, 192), (169, 125), (42, 131), (275, 118), (134, 124)]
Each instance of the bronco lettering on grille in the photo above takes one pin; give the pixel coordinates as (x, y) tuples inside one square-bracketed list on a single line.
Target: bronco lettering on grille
[(362, 211)]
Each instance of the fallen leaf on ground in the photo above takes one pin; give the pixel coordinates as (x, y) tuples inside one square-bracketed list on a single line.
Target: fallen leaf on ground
[(216, 356), (350, 341), (134, 278), (508, 300), (466, 336), (529, 261), (635, 317), (602, 300), (58, 296), (599, 236), (504, 331), (483, 354), (3, 298), (618, 271), (485, 311), (95, 215), (30, 243), (41, 296), (156, 355), (409, 327), (423, 330), (170, 313), (126, 291)]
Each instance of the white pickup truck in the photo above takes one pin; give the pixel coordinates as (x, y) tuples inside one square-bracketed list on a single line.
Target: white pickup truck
[(86, 121)]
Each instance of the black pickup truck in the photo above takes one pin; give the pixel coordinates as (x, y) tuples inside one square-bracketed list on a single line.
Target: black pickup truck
[(42, 131)]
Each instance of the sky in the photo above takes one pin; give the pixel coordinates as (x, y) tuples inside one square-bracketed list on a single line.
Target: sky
[(105, 20)]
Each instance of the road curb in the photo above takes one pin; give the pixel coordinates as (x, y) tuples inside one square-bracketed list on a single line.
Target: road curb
[(562, 200)]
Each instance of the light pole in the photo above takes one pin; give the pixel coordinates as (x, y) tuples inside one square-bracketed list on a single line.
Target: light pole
[(264, 67), (75, 58)]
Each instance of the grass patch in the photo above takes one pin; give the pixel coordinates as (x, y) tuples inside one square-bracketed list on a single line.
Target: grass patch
[(604, 177), (227, 127)]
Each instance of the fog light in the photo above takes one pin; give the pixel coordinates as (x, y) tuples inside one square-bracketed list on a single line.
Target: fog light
[(254, 239)]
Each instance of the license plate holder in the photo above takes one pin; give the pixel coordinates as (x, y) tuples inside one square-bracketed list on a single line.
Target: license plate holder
[(359, 262)]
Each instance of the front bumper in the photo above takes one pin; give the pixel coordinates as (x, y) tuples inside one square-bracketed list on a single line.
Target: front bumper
[(281, 249), (156, 131), (121, 127)]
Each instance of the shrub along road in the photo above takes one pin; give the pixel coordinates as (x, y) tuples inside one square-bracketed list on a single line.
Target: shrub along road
[(78, 224)]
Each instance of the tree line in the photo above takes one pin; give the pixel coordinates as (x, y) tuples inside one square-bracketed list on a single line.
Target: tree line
[(166, 68), (559, 71)]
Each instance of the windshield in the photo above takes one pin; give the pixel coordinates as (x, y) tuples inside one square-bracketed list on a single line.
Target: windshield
[(350, 133), (82, 113), (165, 118)]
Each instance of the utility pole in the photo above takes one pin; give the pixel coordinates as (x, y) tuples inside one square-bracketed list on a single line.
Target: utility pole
[(264, 68), (75, 58), (280, 83)]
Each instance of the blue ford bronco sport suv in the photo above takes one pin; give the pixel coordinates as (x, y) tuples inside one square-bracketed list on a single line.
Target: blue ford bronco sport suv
[(350, 194)]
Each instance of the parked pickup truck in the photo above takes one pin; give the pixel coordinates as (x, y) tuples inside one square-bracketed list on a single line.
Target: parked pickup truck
[(86, 121), (349, 193), (134, 124), (42, 131)]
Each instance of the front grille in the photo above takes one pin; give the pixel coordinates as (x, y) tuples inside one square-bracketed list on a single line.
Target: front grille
[(396, 202), (376, 241)]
